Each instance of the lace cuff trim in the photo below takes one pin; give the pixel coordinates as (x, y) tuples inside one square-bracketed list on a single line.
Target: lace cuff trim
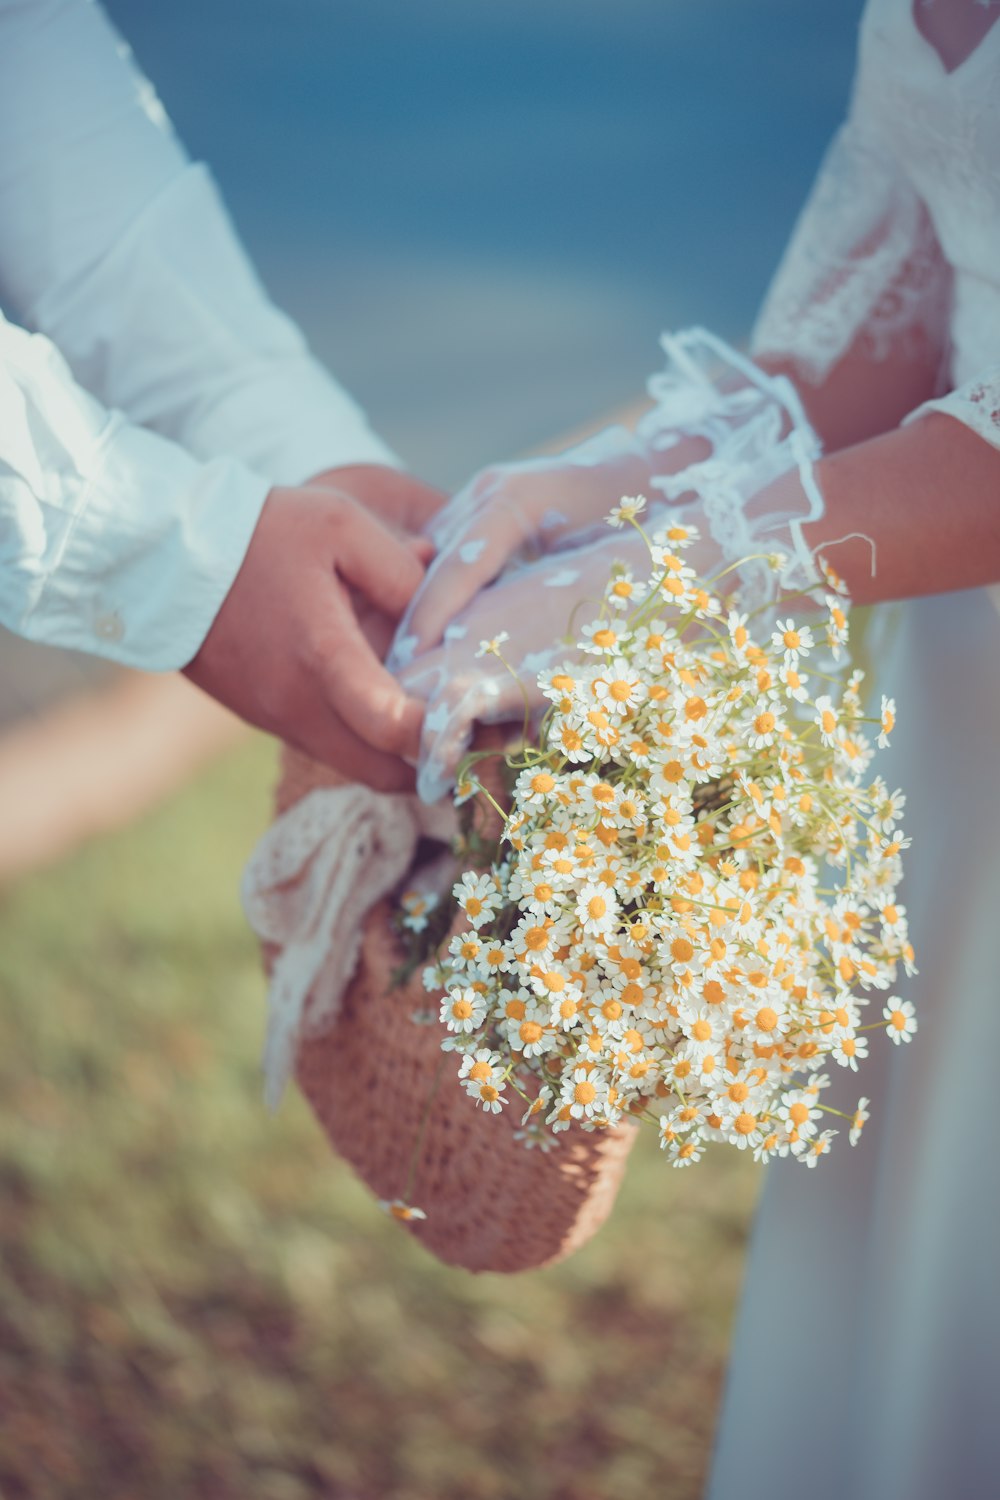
[(976, 404), (758, 433)]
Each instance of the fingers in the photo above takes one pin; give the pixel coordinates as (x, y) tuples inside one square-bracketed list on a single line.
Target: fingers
[(390, 493), (474, 560), (333, 744), (360, 691), (423, 550), (384, 567), (412, 503)]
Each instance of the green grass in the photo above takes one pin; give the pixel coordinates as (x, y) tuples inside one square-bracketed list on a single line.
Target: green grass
[(198, 1300)]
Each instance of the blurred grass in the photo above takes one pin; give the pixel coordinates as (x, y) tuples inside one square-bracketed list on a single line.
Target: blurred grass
[(196, 1300)]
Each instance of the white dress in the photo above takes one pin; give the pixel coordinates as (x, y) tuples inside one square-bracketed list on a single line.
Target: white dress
[(866, 1359)]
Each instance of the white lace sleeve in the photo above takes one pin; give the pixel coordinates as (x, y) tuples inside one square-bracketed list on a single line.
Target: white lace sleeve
[(977, 404), (863, 260)]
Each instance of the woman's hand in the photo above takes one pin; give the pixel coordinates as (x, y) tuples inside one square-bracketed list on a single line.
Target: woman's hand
[(533, 614), (519, 510)]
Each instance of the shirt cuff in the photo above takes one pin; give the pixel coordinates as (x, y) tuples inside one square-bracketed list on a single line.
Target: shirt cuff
[(150, 552)]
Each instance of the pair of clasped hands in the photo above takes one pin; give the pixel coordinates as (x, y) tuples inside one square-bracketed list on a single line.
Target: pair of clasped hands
[(340, 568)]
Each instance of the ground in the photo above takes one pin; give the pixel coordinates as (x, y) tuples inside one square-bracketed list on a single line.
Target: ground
[(196, 1299)]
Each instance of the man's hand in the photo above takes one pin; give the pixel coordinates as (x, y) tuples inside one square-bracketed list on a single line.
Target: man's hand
[(287, 652), (405, 504)]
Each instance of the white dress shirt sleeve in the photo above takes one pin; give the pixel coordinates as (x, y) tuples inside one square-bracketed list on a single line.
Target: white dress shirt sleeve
[(113, 540), (119, 249)]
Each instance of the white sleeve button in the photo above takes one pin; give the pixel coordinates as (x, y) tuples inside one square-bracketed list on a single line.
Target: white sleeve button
[(109, 627)]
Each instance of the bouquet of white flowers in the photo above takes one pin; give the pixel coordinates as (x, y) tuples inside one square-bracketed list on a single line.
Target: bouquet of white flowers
[(693, 900)]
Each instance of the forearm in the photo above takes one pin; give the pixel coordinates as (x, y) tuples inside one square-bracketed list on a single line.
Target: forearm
[(863, 396), (920, 508)]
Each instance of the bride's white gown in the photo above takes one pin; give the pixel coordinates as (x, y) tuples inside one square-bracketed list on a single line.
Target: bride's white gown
[(866, 1362)]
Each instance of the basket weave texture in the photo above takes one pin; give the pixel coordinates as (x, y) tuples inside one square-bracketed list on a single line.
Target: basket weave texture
[(379, 1084)]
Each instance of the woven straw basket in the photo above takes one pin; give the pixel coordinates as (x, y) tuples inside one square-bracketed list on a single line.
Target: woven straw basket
[(380, 1086)]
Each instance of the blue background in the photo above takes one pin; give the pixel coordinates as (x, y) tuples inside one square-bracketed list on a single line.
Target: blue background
[(483, 214)]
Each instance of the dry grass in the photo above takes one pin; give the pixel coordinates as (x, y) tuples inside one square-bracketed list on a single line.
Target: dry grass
[(197, 1301)]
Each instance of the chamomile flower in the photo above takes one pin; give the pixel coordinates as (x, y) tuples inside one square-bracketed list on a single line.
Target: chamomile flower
[(492, 646), (619, 689), (603, 638), (791, 639), (849, 1050), (836, 628), (627, 509), (744, 1130), (482, 1076), (764, 728), (463, 1010), (416, 907), (811, 1151), (686, 1152), (406, 1213), (794, 682), (538, 1105), (586, 1093), (533, 1034), (478, 897), (799, 1114), (596, 909), (887, 719), (858, 1120), (900, 1019), (827, 719)]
